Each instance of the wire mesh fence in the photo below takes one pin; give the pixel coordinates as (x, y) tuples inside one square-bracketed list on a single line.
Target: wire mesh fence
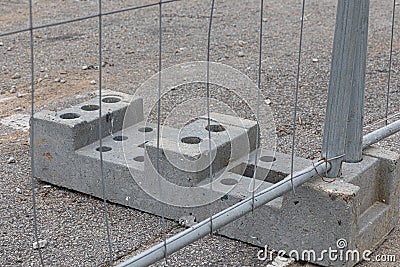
[(72, 48)]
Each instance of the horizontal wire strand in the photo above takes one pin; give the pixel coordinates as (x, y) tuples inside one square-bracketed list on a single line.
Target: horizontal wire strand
[(84, 18), (381, 120)]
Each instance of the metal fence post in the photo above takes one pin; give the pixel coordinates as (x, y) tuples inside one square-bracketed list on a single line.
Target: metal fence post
[(343, 125), (353, 145)]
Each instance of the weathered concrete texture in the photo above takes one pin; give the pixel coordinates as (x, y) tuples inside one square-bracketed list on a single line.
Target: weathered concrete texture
[(381, 217), (360, 207), (185, 157), (59, 134)]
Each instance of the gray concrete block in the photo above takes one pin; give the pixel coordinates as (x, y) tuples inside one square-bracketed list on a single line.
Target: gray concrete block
[(185, 156), (248, 125), (383, 215), (59, 134), (271, 166), (78, 126)]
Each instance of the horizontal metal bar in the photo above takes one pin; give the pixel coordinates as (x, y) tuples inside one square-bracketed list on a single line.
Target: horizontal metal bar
[(224, 217), (85, 18), (381, 134)]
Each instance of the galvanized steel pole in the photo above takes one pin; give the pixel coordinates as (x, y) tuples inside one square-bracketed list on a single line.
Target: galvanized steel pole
[(343, 125), (355, 122)]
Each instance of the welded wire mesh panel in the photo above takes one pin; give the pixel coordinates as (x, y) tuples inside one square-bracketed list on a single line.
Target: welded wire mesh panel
[(265, 62)]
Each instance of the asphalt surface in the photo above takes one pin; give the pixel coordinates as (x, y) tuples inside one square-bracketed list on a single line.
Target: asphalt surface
[(73, 223)]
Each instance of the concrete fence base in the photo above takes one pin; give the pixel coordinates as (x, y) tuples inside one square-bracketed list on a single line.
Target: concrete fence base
[(350, 215)]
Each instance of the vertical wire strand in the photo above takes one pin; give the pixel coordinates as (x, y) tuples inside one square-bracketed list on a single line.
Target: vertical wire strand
[(32, 133), (390, 63), (258, 98), (297, 95), (208, 112), (103, 184), (159, 126)]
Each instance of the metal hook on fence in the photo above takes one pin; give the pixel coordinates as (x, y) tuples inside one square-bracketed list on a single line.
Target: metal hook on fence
[(327, 161)]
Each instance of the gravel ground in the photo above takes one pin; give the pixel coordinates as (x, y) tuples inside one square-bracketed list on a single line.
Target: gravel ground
[(72, 223)]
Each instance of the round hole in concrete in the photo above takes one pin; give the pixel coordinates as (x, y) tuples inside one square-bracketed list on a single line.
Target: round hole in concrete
[(216, 128), (104, 149), (90, 107), (229, 181), (120, 138), (145, 129), (267, 158), (139, 158), (69, 116), (191, 140), (111, 99)]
